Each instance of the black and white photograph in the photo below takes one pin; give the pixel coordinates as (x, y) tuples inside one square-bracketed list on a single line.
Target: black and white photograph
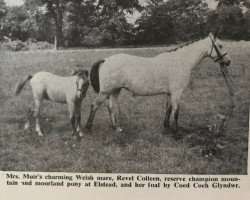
[(125, 86)]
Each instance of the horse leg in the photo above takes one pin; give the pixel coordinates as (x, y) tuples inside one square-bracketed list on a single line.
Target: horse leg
[(111, 115), (175, 99), (38, 103), (78, 119), (72, 116), (95, 106), (168, 112), (113, 105), (27, 124)]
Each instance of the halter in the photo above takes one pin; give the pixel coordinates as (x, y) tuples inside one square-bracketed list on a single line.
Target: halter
[(220, 57), (82, 91)]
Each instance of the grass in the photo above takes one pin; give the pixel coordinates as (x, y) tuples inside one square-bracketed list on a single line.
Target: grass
[(144, 147)]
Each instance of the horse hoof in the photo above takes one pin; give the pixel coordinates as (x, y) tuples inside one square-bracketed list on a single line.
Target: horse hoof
[(27, 127), (119, 130), (40, 134), (81, 134)]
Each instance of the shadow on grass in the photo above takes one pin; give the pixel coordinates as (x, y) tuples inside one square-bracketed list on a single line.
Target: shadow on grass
[(206, 142), (130, 133), (14, 120)]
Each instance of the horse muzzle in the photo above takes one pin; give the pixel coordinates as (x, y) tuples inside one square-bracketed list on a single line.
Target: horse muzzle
[(225, 62)]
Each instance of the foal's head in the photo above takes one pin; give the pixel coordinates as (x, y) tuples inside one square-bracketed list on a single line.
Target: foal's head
[(82, 82)]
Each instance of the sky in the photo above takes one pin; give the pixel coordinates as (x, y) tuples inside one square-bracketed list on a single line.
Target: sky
[(13, 2)]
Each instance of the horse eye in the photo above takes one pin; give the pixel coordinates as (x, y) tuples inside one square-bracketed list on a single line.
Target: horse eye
[(220, 46)]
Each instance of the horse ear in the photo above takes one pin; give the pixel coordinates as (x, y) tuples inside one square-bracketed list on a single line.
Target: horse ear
[(214, 33), (211, 35), (74, 72), (83, 73)]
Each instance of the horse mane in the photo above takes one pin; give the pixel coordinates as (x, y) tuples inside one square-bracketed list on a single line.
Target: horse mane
[(186, 44)]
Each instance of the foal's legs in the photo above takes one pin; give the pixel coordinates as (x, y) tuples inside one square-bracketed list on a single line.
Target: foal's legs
[(78, 118), (113, 107), (71, 107), (168, 112), (38, 103), (95, 106), (27, 124)]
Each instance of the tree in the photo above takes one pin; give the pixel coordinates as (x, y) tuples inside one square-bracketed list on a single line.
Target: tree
[(74, 22), (3, 9), (55, 10), (80, 20), (109, 7), (12, 23), (38, 25), (112, 21), (190, 17), (156, 25), (233, 2), (247, 25), (172, 21), (229, 20), (3, 12)]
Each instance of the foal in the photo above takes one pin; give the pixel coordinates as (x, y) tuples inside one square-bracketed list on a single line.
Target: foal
[(70, 90)]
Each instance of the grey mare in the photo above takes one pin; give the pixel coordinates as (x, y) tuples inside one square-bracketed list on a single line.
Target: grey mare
[(167, 73)]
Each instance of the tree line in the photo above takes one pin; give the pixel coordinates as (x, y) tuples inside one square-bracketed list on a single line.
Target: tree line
[(85, 23)]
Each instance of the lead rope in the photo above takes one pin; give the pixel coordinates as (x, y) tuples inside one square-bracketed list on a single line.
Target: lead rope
[(230, 89), (231, 97)]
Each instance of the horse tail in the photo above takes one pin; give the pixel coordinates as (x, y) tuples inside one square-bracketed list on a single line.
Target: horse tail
[(21, 84), (94, 75)]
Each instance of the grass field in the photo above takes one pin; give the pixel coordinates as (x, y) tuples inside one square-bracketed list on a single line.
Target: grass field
[(144, 147)]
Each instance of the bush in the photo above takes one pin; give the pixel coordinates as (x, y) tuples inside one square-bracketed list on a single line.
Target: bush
[(18, 45), (93, 38), (39, 45)]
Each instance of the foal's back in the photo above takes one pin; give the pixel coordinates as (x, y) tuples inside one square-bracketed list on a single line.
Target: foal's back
[(53, 87)]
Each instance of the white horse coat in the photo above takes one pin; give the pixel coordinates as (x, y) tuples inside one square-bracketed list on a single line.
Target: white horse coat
[(70, 90), (55, 88), (167, 73)]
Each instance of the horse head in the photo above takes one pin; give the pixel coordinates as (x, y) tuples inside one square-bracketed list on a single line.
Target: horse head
[(82, 81), (217, 52)]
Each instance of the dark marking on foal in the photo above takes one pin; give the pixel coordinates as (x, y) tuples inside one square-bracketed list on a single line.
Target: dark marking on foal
[(46, 96), (176, 116), (167, 117)]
